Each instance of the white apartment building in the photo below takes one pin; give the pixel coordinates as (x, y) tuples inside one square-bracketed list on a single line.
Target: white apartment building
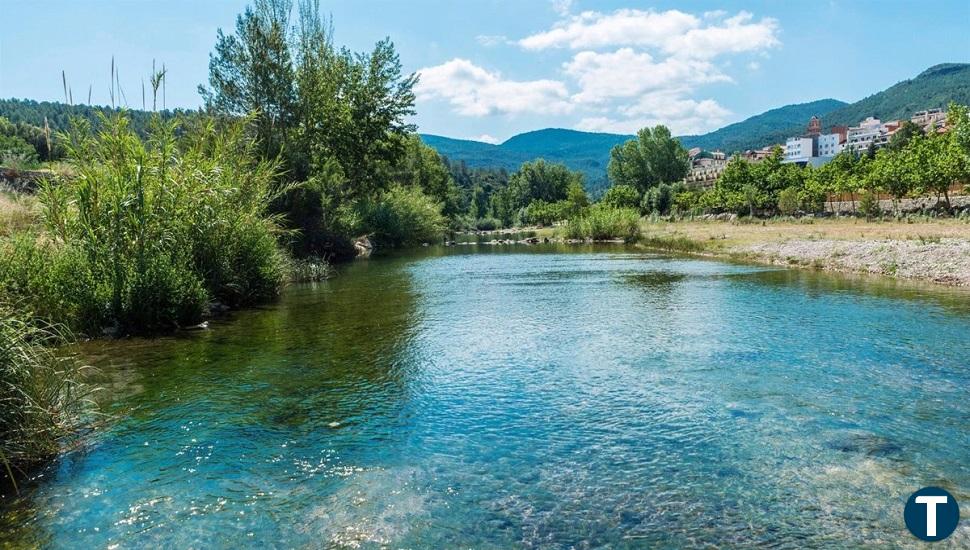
[(799, 149), (860, 137), (830, 145)]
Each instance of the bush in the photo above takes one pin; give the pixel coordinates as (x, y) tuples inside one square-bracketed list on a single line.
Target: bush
[(41, 398), (544, 213), (603, 221), (487, 224), (403, 216), (147, 233), (622, 196), (789, 201), (869, 205), (659, 199)]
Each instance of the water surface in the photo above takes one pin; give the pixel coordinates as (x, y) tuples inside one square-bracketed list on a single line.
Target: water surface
[(528, 397)]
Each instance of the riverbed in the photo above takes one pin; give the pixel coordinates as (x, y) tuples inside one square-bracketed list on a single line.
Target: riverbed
[(547, 396)]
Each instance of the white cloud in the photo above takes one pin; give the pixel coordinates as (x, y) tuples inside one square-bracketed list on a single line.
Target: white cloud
[(681, 114), (474, 91), (626, 73), (754, 65), (489, 40), (485, 138), (673, 32), (592, 29), (562, 7)]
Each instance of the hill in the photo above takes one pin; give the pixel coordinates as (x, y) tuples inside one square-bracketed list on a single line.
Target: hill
[(934, 87), (589, 152), (769, 127)]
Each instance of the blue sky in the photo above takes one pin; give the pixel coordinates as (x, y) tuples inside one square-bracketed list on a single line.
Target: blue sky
[(494, 68)]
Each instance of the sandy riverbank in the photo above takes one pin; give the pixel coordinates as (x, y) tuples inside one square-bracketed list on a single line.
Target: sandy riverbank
[(937, 251)]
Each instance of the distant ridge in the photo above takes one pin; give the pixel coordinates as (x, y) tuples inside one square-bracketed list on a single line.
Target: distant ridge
[(589, 152)]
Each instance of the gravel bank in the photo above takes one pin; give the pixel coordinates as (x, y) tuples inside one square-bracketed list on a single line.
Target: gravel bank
[(944, 261)]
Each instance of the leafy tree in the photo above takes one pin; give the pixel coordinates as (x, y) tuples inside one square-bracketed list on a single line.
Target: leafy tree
[(252, 72), (890, 173), (540, 180), (901, 138), (652, 158), (622, 196)]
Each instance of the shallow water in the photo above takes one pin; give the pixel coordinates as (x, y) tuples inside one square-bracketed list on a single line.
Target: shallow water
[(528, 397)]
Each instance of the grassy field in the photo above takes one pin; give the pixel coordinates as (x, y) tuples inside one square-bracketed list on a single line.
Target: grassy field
[(17, 212)]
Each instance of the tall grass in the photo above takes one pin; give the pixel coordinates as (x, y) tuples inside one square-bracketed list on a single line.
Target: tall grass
[(41, 398), (147, 233), (602, 222)]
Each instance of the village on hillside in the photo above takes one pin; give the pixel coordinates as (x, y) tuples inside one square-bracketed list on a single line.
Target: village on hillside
[(814, 147)]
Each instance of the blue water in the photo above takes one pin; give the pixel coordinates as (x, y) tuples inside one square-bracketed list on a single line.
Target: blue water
[(528, 397)]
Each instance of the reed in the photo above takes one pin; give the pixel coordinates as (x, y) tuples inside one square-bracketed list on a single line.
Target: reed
[(42, 400)]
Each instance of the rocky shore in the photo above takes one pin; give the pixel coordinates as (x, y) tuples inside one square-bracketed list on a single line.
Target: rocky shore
[(943, 261)]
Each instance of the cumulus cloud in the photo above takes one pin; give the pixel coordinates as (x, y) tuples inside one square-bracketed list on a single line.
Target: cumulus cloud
[(627, 69), (562, 7), (626, 73), (673, 32), (681, 114), (475, 91)]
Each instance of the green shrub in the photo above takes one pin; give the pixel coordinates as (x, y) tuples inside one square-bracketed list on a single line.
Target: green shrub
[(403, 216), (544, 213), (603, 221), (487, 224), (147, 233), (789, 201), (41, 398), (622, 196)]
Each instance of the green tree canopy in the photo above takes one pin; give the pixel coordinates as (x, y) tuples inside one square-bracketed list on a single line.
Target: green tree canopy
[(652, 158)]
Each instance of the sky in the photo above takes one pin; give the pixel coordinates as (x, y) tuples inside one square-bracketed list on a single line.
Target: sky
[(491, 69)]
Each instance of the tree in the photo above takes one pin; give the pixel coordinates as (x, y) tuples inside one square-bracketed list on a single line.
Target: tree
[(252, 72), (652, 158), (541, 180), (889, 172), (789, 201), (901, 138), (622, 196)]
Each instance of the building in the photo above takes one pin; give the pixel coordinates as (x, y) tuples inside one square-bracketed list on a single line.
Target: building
[(859, 138), (931, 118), (705, 167), (757, 155), (830, 145), (814, 126), (799, 149)]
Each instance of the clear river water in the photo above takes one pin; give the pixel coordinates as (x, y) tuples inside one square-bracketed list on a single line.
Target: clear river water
[(527, 397)]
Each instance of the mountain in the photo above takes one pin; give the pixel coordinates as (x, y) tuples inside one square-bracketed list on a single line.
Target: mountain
[(934, 87), (589, 152), (583, 151), (769, 127)]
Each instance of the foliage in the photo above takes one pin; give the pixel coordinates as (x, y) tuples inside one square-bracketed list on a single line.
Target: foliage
[(148, 232), (660, 199), (869, 205), (403, 216), (789, 201), (41, 397), (622, 196), (336, 119), (652, 158), (603, 221)]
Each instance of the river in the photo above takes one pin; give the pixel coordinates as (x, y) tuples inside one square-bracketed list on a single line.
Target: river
[(543, 397)]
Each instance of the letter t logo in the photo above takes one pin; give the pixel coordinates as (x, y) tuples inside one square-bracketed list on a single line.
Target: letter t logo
[(931, 502)]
